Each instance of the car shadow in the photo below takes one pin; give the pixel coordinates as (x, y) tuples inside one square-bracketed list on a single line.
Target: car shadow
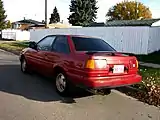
[(34, 87)]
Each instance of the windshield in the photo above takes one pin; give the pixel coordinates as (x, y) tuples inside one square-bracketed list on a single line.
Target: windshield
[(91, 44)]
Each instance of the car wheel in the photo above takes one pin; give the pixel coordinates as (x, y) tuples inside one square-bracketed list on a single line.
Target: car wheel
[(24, 67), (62, 85)]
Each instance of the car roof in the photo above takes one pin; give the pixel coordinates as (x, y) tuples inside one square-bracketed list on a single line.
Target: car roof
[(84, 36)]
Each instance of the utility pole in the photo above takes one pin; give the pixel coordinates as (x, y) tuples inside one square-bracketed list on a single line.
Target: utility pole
[(45, 13)]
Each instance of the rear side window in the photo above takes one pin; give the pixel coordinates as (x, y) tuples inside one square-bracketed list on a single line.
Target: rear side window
[(91, 44), (61, 45)]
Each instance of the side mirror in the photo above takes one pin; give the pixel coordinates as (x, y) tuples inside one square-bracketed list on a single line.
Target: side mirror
[(33, 45)]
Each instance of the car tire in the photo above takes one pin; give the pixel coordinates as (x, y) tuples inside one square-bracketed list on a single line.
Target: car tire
[(24, 66), (62, 85)]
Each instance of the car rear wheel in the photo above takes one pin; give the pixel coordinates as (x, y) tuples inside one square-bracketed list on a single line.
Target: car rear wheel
[(24, 66), (62, 85)]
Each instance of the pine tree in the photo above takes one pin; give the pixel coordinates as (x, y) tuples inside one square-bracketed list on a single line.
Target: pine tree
[(2, 16), (54, 16), (84, 12)]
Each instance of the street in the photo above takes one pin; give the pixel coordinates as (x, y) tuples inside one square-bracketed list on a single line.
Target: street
[(32, 97)]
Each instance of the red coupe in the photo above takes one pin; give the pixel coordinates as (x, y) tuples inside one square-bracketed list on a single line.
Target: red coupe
[(80, 61)]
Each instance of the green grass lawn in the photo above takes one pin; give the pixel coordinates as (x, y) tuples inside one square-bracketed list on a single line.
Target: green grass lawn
[(151, 58), (14, 46), (150, 76)]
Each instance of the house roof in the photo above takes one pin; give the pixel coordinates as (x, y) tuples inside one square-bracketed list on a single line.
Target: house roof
[(95, 24), (145, 22), (30, 21)]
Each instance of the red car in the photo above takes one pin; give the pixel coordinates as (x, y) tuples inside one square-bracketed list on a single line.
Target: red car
[(80, 61)]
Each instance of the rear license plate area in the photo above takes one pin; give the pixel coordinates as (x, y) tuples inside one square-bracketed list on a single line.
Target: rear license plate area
[(118, 69)]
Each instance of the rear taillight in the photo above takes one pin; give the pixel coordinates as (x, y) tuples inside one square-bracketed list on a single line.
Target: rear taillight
[(100, 64), (133, 63), (96, 64)]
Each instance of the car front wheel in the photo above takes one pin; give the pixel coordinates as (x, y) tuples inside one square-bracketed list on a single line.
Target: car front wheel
[(24, 67)]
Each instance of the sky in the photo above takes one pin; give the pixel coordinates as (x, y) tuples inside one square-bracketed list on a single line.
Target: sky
[(34, 9)]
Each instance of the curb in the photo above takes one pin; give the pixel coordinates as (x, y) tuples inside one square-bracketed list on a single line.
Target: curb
[(123, 90), (128, 89), (133, 98), (152, 65), (9, 51)]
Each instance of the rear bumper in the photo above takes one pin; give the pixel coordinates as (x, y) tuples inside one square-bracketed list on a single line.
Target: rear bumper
[(111, 82)]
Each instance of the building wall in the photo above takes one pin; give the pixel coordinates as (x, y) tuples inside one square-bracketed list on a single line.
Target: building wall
[(154, 39), (24, 26), (20, 26)]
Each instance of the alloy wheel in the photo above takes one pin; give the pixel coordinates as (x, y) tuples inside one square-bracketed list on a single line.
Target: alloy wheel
[(61, 83)]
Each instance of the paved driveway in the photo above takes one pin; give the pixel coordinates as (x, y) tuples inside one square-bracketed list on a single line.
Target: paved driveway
[(31, 97)]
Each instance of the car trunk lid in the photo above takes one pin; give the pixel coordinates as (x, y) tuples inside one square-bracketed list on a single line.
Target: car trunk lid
[(117, 63)]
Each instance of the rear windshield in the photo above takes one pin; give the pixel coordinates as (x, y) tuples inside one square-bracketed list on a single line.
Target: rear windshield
[(91, 44)]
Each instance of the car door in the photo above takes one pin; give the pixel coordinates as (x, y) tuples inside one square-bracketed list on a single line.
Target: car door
[(60, 53), (43, 47)]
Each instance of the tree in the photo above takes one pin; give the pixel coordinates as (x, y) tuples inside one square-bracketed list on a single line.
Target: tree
[(8, 24), (2, 16), (129, 11), (54, 16), (83, 12)]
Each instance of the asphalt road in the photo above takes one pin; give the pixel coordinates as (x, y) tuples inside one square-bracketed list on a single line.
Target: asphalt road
[(32, 97)]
